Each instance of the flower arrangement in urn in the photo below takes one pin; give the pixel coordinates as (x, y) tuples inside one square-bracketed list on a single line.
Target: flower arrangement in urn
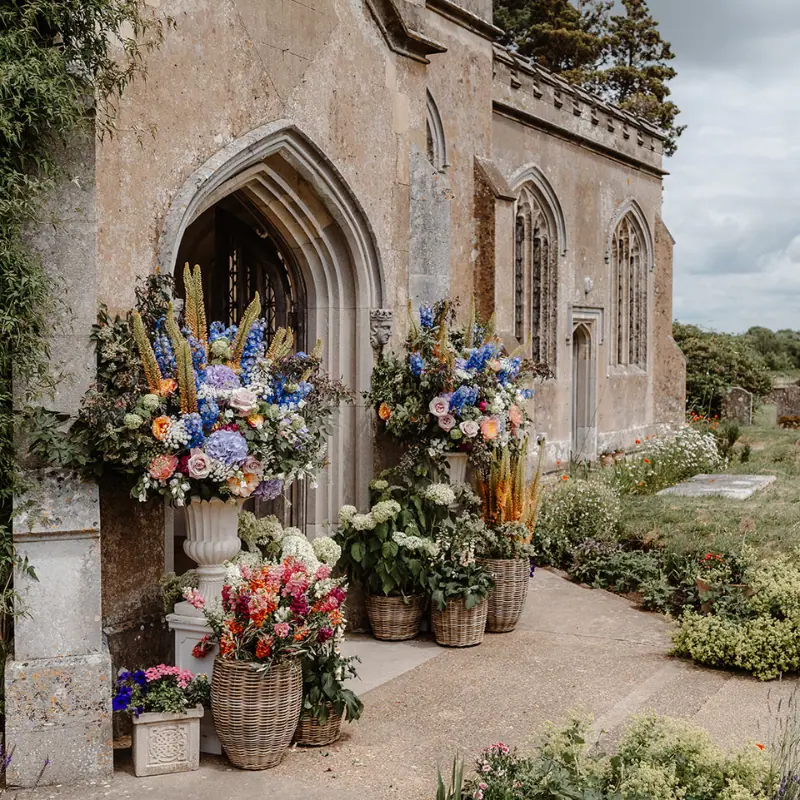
[(229, 415), (454, 389)]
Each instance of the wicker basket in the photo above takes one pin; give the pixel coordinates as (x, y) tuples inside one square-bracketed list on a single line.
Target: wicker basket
[(457, 627), (393, 619), (313, 733), (507, 599), (256, 714)]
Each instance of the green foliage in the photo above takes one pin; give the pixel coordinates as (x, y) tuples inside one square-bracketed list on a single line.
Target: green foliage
[(637, 71), (566, 38), (609, 565), (54, 61), (451, 580), (714, 363), (666, 462), (172, 587), (323, 685), (617, 53), (658, 759), (572, 512)]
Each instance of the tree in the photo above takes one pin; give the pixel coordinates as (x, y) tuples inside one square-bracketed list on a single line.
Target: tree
[(636, 70), (564, 37), (714, 363)]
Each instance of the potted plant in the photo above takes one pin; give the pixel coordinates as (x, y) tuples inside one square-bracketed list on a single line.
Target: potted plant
[(270, 617), (326, 699), (166, 704), (389, 549), (452, 392), (459, 586), (459, 595), (510, 509), (218, 416)]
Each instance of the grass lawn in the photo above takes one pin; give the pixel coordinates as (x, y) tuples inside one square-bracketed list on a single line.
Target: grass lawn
[(769, 521)]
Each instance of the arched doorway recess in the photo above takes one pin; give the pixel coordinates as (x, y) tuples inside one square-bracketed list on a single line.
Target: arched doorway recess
[(280, 185)]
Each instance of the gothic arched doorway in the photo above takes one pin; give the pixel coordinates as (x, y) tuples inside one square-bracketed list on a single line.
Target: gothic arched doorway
[(317, 252), (584, 432)]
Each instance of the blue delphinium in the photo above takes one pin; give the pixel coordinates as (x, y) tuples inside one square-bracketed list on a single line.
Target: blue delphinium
[(253, 348), (463, 396), (527, 394), (426, 316), (482, 356), (209, 412), (194, 427), (162, 347), (511, 370), (198, 354), (217, 330), (285, 393), (417, 363)]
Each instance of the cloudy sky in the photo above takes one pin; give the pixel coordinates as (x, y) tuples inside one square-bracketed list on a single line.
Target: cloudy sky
[(732, 200)]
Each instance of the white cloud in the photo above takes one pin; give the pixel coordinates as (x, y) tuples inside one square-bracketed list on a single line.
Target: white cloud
[(733, 198)]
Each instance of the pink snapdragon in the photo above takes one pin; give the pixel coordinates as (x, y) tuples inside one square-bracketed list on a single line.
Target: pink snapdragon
[(194, 598), (281, 629), (323, 572)]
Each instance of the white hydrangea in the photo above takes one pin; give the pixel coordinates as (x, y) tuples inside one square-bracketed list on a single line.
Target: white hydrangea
[(417, 544), (295, 545), (326, 550), (346, 514), (441, 494), (363, 522), (385, 510), (379, 485)]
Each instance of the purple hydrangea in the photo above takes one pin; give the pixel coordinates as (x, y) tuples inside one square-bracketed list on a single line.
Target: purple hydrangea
[(230, 447), (269, 490), (221, 377)]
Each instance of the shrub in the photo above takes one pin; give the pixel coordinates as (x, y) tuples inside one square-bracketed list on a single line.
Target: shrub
[(658, 759), (765, 646), (573, 511), (608, 565), (669, 461)]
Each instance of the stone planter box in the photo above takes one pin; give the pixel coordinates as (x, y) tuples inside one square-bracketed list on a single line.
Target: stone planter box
[(166, 743)]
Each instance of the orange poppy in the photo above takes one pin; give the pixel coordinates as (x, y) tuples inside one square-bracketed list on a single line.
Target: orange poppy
[(760, 746), (384, 412), (161, 426), (565, 477)]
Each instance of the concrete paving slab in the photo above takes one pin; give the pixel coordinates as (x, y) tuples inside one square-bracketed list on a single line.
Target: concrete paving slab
[(575, 649), (733, 487)]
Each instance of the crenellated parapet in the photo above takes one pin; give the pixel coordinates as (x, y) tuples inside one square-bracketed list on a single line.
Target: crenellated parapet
[(540, 99)]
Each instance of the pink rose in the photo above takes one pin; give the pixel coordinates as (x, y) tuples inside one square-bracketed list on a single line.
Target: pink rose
[(483, 405), (439, 406), (244, 401), (199, 464), (515, 415), (490, 428), (470, 428), (253, 465), (162, 467), (447, 422)]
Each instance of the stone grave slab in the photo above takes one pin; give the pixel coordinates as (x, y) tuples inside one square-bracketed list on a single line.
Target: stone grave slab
[(734, 487)]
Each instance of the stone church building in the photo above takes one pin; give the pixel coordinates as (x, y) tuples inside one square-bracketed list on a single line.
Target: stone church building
[(342, 157)]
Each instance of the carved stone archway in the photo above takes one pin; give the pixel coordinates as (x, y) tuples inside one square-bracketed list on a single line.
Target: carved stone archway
[(302, 196)]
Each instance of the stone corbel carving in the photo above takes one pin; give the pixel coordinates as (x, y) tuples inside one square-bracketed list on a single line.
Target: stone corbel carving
[(380, 328)]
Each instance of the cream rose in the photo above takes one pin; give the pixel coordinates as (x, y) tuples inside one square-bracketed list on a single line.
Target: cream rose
[(243, 401), (470, 428), (447, 422), (439, 406), (199, 464)]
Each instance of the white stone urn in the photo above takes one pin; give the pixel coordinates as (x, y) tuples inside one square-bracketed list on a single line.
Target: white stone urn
[(457, 467), (166, 743), (212, 538)]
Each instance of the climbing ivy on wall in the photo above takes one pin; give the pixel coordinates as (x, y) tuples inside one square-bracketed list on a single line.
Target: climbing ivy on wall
[(58, 75)]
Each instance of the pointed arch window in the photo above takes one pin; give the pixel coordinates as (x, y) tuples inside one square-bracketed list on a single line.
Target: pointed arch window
[(536, 276), (629, 300)]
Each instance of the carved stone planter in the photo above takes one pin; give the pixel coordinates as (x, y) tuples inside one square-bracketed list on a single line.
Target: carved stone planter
[(166, 743), (457, 467)]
